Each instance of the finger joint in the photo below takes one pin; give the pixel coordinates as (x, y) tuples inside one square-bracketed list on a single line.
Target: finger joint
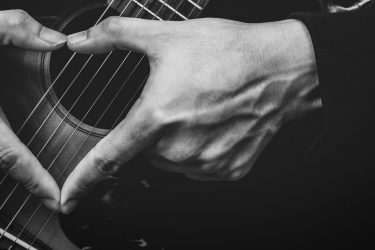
[(112, 25), (104, 166), (8, 159)]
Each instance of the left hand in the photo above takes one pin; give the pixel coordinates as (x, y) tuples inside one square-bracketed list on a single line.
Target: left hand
[(19, 29), (217, 93)]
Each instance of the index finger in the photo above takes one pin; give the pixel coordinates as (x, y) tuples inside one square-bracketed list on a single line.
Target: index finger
[(135, 133), (20, 29), (19, 163)]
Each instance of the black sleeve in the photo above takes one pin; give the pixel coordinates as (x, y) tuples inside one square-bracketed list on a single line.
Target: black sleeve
[(344, 45)]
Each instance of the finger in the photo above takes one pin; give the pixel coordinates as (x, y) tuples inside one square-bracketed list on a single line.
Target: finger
[(191, 167), (132, 135), (117, 32), (203, 177), (244, 158), (17, 161), (167, 165), (20, 29), (193, 173)]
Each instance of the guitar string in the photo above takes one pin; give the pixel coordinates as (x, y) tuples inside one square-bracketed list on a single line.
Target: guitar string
[(63, 171), (104, 90), (125, 108), (77, 100), (51, 112), (56, 129), (122, 86), (23, 204), (63, 70), (73, 81), (66, 143), (19, 130), (68, 112), (124, 60), (64, 93), (59, 75), (53, 213)]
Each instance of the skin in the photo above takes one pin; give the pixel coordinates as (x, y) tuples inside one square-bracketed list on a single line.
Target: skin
[(217, 93), (19, 29)]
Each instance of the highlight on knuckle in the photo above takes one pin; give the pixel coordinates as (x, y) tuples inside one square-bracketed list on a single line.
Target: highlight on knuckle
[(9, 157), (208, 168), (112, 25), (159, 115), (31, 185), (212, 153), (12, 160), (105, 166), (238, 174), (18, 18), (177, 153), (233, 175), (82, 187)]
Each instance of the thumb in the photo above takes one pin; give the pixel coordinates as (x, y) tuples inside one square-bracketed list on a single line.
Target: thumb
[(132, 135), (17, 161), (117, 33), (20, 29)]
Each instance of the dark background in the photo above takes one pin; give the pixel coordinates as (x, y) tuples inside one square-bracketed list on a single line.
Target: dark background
[(294, 198), (254, 11)]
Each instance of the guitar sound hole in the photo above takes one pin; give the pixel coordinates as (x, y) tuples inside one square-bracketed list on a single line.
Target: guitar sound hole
[(94, 93)]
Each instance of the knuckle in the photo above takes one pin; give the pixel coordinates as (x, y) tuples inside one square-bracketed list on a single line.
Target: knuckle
[(112, 25), (82, 187), (18, 18), (176, 150), (159, 116), (164, 112), (32, 186), (9, 158), (178, 154), (11, 161), (238, 174), (103, 165), (174, 156), (240, 162), (233, 175), (208, 168), (213, 153)]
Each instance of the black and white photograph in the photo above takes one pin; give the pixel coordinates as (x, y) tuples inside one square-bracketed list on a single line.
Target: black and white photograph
[(187, 124)]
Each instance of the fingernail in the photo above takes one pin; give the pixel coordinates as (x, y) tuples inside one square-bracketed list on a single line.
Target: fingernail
[(52, 204), (77, 37), (53, 37), (59, 44)]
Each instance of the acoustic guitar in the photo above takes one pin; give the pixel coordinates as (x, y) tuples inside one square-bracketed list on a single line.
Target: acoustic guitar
[(61, 104)]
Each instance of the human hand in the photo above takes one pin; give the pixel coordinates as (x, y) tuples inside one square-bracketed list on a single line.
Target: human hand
[(217, 93), (19, 29)]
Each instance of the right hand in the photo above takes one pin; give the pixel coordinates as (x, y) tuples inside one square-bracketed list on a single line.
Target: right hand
[(217, 93), (19, 29)]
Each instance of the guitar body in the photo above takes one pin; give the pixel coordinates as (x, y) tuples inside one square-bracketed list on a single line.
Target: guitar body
[(54, 133), (69, 121)]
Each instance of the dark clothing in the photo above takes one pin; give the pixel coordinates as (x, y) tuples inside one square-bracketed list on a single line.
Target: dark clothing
[(344, 45), (319, 200), (323, 199)]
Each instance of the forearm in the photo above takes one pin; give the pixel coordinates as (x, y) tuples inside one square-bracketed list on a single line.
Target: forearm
[(286, 63)]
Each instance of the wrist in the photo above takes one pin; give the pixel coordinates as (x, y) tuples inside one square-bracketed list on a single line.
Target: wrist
[(288, 65), (304, 77)]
